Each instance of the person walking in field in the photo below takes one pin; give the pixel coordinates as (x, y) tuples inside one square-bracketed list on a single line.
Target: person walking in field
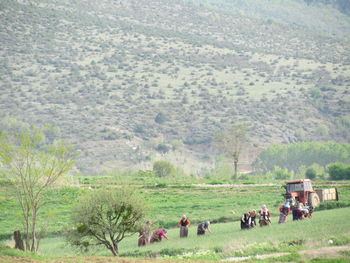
[(145, 234), (184, 224), (284, 212), (203, 227), (158, 235), (252, 215), (264, 216)]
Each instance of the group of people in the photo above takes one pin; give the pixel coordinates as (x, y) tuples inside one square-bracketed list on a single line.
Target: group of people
[(299, 212), (147, 236), (248, 221), (184, 224)]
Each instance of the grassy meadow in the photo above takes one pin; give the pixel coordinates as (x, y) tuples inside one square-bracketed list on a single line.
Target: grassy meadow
[(199, 199)]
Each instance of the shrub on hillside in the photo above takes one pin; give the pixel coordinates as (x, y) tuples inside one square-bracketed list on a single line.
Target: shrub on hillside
[(160, 118), (163, 169)]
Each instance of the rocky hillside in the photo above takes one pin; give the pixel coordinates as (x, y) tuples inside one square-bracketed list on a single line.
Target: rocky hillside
[(132, 81)]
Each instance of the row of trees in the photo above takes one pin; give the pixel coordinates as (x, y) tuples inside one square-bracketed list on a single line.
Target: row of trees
[(296, 155)]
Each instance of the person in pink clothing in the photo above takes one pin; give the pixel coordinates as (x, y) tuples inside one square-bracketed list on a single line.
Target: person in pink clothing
[(158, 235), (264, 215)]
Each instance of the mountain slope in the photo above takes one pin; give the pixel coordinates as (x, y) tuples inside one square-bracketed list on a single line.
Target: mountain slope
[(102, 71)]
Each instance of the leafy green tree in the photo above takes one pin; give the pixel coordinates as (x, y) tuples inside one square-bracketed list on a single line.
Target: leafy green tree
[(106, 218), (32, 166), (232, 142), (310, 173), (339, 171), (163, 169)]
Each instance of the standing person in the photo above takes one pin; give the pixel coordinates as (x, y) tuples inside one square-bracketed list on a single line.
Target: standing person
[(264, 216), (158, 235), (252, 214), (202, 227), (145, 234), (183, 224), (284, 212), (246, 221)]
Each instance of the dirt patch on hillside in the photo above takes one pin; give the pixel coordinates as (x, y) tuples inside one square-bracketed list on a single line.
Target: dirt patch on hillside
[(325, 252)]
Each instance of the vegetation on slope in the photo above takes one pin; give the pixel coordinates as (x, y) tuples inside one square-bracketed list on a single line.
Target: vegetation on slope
[(102, 72)]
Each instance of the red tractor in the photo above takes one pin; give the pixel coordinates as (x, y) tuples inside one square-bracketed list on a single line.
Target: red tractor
[(301, 191)]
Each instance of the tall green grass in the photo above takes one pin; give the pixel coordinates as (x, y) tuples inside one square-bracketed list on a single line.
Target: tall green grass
[(228, 240)]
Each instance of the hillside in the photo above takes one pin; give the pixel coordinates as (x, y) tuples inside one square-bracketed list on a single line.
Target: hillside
[(129, 82)]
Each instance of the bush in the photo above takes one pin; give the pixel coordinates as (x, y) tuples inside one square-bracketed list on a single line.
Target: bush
[(162, 148), (310, 173), (281, 174), (339, 171), (163, 169), (160, 118)]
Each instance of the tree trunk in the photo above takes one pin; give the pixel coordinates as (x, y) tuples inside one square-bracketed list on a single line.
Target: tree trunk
[(33, 246), (114, 245), (115, 250), (235, 163), (18, 240)]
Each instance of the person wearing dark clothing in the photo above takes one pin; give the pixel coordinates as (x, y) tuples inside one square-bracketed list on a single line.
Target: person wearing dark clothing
[(203, 227), (245, 221), (252, 215), (297, 213)]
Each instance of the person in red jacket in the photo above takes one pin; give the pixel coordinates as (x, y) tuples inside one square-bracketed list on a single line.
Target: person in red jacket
[(158, 235), (183, 224), (284, 212)]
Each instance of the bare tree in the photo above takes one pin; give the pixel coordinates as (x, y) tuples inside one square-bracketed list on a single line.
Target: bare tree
[(231, 142), (32, 166)]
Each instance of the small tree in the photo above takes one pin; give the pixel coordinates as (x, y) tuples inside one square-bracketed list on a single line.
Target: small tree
[(106, 218), (232, 142), (32, 166), (310, 173), (163, 168)]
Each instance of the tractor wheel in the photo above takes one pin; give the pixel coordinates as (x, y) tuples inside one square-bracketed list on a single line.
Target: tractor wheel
[(314, 200)]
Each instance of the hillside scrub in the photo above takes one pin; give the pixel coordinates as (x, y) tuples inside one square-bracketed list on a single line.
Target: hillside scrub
[(110, 76)]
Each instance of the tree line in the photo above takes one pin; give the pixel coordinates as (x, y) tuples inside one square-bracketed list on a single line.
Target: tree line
[(296, 155)]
